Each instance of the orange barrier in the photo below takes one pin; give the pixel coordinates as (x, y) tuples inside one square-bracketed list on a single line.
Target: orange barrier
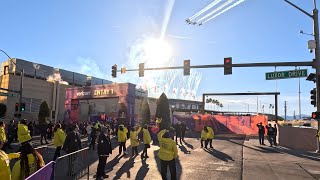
[(230, 124), (298, 138)]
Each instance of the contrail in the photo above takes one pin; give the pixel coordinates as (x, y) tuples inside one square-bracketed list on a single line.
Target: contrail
[(167, 16), (216, 10), (232, 6), (205, 9)]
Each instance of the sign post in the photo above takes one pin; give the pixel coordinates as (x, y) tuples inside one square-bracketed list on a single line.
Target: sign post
[(287, 74)]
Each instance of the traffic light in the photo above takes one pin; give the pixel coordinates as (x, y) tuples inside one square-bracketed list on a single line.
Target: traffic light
[(315, 115), (23, 106), (114, 71), (227, 65), (16, 107), (313, 97), (186, 67), (141, 69)]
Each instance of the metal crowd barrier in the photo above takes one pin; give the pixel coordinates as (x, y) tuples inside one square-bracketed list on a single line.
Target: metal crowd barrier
[(75, 165), (45, 173)]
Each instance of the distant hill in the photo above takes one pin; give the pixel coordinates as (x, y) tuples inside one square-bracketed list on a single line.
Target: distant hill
[(303, 116)]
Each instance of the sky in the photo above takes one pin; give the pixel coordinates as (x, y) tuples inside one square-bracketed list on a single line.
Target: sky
[(90, 36)]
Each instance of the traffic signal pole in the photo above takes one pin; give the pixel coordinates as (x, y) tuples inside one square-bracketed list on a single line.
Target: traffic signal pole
[(315, 17)]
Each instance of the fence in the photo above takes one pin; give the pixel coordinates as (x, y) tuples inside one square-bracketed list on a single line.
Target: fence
[(75, 165)]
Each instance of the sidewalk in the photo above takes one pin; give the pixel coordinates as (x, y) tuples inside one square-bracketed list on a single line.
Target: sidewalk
[(264, 162)]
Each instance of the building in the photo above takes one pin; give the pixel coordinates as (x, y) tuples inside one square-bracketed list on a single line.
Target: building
[(72, 94)]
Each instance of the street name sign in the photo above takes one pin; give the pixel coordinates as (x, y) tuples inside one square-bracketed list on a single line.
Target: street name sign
[(287, 74)]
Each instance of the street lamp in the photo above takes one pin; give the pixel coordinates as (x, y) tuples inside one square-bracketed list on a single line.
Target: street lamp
[(21, 82)]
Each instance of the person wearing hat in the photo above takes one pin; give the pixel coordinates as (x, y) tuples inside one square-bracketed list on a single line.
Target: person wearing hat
[(5, 158), (167, 154), (104, 149), (122, 138), (146, 141), (23, 132), (134, 140), (58, 139), (204, 137), (30, 162)]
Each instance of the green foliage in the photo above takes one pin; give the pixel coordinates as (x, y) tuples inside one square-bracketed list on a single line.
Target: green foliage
[(44, 112), (145, 113), (163, 112), (3, 109)]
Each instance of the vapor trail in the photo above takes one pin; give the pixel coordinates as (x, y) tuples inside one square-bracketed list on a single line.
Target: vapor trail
[(167, 16), (230, 7), (216, 10), (205, 9)]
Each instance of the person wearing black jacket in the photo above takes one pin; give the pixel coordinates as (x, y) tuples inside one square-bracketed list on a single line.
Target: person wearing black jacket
[(261, 133), (275, 133), (104, 149), (43, 132), (177, 129), (93, 137), (183, 130), (72, 142), (11, 133), (270, 134)]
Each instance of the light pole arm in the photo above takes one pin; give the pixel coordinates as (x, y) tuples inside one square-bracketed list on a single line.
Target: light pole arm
[(300, 9), (11, 59)]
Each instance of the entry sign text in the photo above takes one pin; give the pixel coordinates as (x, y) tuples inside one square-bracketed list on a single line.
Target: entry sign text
[(287, 74)]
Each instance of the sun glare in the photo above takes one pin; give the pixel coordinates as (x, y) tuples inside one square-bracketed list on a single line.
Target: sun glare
[(157, 52)]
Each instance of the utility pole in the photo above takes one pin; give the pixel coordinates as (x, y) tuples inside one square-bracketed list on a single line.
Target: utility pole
[(315, 17), (285, 110)]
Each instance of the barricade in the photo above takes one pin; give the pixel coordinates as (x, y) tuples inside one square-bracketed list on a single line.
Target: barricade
[(45, 173), (75, 165)]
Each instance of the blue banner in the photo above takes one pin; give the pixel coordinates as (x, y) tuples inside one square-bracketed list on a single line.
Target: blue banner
[(45, 173)]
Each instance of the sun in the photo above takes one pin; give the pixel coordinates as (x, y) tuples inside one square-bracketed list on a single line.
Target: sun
[(157, 52)]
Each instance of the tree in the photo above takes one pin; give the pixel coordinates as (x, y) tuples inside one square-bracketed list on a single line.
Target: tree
[(3, 109), (145, 113), (44, 112), (163, 112)]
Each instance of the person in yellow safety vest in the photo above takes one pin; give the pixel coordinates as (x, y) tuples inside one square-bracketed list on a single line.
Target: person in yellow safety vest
[(30, 162), (146, 141), (168, 153), (122, 138), (5, 172), (204, 137), (23, 132), (97, 126), (58, 140), (3, 137), (134, 140), (210, 135)]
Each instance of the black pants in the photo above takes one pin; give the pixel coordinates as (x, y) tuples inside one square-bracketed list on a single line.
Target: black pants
[(172, 167), (134, 150), (178, 134), (210, 142), (261, 138), (275, 140), (93, 142), (101, 166), (43, 136), (122, 146), (270, 139), (183, 134), (205, 143), (57, 153), (145, 150)]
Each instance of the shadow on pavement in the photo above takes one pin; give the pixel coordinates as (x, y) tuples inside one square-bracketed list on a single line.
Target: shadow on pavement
[(219, 155), (188, 145), (184, 149), (142, 172), (125, 168)]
